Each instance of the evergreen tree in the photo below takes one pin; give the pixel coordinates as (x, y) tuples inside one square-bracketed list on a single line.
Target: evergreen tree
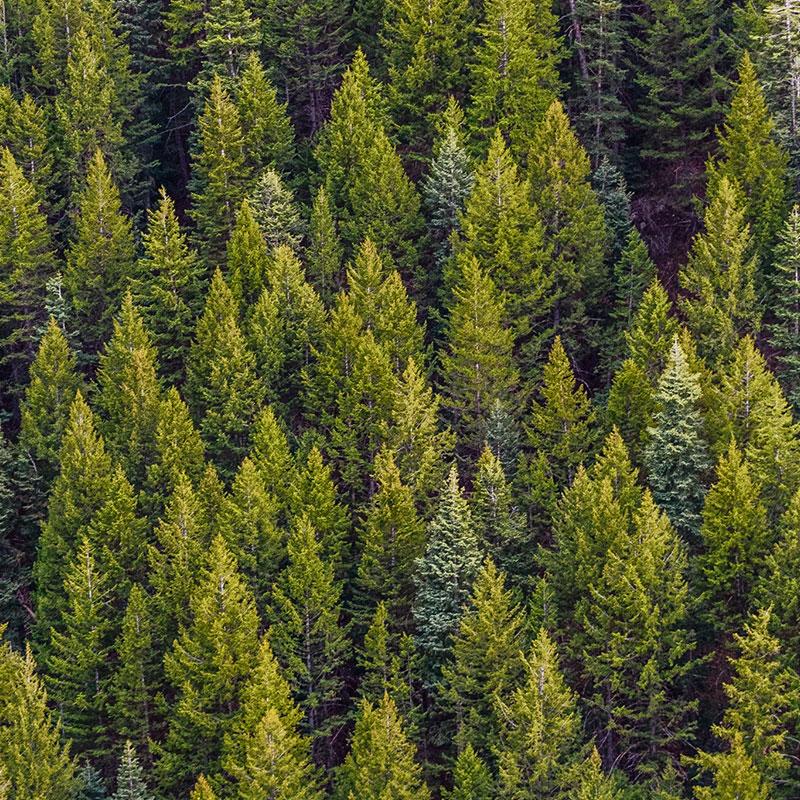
[(445, 575), (100, 260), (324, 248), (478, 367), (219, 175), (208, 665), (45, 405), (471, 778), (734, 776), (751, 157), (380, 764), (35, 759), (719, 277), (129, 392), (78, 664), (486, 663), (515, 70), (221, 380), (652, 332), (735, 536), (26, 259), (130, 777), (541, 734), (631, 407), (784, 330), (275, 211), (167, 290), (574, 224), (202, 790), (307, 633), (270, 453), (677, 458), (247, 256)]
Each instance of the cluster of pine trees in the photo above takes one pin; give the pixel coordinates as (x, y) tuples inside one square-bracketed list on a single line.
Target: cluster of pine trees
[(399, 400)]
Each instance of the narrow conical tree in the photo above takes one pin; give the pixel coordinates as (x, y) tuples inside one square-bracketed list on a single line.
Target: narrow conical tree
[(734, 775), (26, 261), (247, 256), (471, 778), (445, 575), (100, 260), (486, 664), (202, 790), (308, 635), (273, 459), (35, 759), (719, 277), (130, 777), (168, 287), (735, 537), (208, 666), (652, 331), (381, 763), (677, 458), (515, 70), (478, 367), (325, 248)]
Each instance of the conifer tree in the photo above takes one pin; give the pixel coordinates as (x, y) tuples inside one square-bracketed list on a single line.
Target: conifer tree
[(208, 666), (100, 260), (130, 777), (324, 249), (719, 277), (219, 175), (35, 759), (381, 761), (247, 256), (541, 734), (574, 223), (202, 790), (26, 259), (515, 70), (478, 367), (734, 776), (136, 677), (80, 490), (275, 211), (445, 575), (784, 330), (652, 332), (45, 405), (129, 392), (225, 391), (751, 157), (486, 663), (631, 407), (612, 191), (308, 635), (168, 287), (390, 541), (78, 663), (677, 458), (471, 778), (735, 538), (267, 132), (273, 459)]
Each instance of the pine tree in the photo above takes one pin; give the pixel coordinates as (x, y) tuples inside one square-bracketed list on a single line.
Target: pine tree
[(734, 776), (79, 664), (652, 332), (515, 70), (784, 330), (80, 490), (130, 777), (202, 790), (247, 257), (612, 191), (719, 277), (267, 132), (541, 735), (45, 405), (219, 175), (100, 260), (135, 680), (273, 459), (445, 575), (631, 407), (751, 157), (677, 458), (225, 392), (485, 664), (477, 368), (735, 538), (471, 778), (35, 759), (208, 666), (308, 635), (168, 287), (129, 392), (762, 705), (92, 785), (381, 761), (574, 224), (324, 249), (275, 211), (26, 260)]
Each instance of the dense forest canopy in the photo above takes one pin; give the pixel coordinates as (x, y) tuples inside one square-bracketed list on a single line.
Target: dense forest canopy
[(399, 400)]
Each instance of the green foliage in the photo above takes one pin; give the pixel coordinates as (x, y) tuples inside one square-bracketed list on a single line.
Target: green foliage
[(130, 777)]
